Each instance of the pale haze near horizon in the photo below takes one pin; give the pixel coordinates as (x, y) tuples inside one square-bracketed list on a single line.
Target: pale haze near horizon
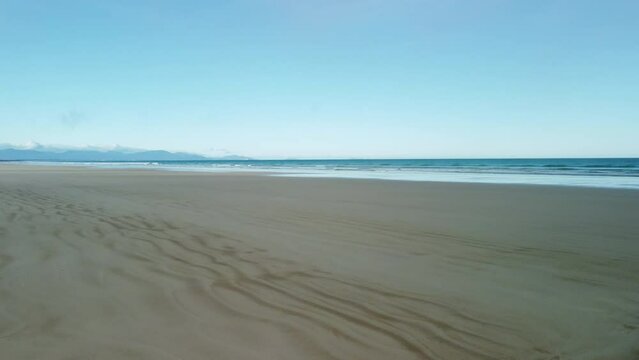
[(324, 79)]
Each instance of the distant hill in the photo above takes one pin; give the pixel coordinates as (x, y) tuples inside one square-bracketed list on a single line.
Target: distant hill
[(111, 155)]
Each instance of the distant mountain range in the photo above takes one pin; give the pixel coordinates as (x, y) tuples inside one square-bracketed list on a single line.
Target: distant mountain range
[(109, 155)]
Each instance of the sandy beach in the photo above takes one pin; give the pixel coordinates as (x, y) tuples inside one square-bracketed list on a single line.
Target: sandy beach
[(133, 264)]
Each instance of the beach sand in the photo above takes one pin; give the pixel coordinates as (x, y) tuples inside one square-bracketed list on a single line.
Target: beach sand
[(134, 264)]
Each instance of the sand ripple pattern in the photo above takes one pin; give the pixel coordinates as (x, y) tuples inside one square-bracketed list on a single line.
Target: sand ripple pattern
[(183, 272)]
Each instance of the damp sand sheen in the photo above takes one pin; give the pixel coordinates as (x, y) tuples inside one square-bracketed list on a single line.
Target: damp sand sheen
[(139, 264)]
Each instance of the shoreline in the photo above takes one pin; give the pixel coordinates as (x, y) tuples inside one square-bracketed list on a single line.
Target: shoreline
[(585, 181)]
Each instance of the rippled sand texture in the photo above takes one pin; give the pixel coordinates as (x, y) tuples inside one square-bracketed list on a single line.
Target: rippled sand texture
[(105, 264)]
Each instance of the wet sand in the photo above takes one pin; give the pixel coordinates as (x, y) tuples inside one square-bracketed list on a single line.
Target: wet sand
[(126, 264)]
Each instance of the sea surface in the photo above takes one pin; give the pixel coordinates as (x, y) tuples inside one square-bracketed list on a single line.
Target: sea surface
[(594, 172)]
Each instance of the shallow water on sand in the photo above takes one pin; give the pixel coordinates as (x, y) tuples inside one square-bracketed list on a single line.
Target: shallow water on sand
[(602, 172)]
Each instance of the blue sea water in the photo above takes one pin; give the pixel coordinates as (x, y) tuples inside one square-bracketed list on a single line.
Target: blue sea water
[(597, 172)]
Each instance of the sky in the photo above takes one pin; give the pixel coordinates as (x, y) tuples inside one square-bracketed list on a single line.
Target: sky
[(324, 78)]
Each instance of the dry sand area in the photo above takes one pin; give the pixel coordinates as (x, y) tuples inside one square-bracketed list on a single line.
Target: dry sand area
[(128, 264)]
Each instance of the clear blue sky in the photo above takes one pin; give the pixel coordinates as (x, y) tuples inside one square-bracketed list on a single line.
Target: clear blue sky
[(324, 78)]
